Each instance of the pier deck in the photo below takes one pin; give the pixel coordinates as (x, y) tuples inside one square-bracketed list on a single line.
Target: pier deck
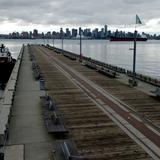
[(144, 104), (104, 118), (59, 62), (26, 127)]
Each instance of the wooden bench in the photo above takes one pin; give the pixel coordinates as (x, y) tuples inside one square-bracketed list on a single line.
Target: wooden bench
[(55, 118), (54, 122), (66, 150), (90, 65), (37, 74), (55, 125), (107, 72), (48, 103), (72, 57), (36, 71), (132, 83), (156, 92)]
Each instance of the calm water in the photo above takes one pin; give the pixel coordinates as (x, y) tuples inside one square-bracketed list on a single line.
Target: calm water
[(116, 53)]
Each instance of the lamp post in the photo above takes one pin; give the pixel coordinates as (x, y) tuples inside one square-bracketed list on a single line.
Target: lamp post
[(62, 43), (133, 81), (61, 34), (80, 34), (47, 41), (44, 41), (134, 58), (53, 41)]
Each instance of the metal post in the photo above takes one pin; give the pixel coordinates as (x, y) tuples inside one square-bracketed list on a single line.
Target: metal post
[(53, 41), (80, 43), (62, 42), (134, 58), (44, 41), (61, 33)]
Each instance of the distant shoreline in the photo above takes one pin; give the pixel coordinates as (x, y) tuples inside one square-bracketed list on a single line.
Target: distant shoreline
[(54, 38), (58, 39)]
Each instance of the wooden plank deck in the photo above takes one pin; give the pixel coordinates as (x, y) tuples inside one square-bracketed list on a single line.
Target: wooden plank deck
[(95, 134)]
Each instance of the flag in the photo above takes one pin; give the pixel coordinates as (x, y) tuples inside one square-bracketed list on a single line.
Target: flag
[(138, 21)]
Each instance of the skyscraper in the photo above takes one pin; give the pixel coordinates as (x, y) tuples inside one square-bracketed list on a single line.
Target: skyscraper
[(68, 33), (106, 30), (74, 32), (61, 33), (35, 33)]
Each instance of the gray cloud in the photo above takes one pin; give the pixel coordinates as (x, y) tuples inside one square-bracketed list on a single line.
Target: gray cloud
[(78, 12)]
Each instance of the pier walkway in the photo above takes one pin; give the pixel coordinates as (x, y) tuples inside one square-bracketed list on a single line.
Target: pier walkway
[(64, 110), (28, 138)]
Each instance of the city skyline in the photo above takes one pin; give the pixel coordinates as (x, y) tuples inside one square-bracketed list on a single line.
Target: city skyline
[(74, 33), (20, 15)]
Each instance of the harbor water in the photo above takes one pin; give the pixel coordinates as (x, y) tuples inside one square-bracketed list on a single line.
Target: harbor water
[(115, 53)]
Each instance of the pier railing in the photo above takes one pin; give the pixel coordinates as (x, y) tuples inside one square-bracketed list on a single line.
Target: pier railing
[(96, 63), (144, 78)]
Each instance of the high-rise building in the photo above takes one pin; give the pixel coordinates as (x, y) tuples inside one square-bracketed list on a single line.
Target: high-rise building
[(30, 34), (61, 32), (74, 32), (87, 32), (102, 33), (35, 33), (25, 35), (68, 33), (106, 30), (80, 31), (15, 35), (95, 33), (48, 35)]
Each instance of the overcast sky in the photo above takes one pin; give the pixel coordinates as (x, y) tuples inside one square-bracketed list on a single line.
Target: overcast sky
[(25, 15)]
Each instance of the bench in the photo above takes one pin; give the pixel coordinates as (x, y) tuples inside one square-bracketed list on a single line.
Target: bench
[(156, 92), (72, 57), (32, 57), (132, 83), (55, 125), (48, 103), (36, 71), (51, 105), (54, 122), (37, 74), (66, 150), (107, 72), (55, 118), (69, 151), (90, 65)]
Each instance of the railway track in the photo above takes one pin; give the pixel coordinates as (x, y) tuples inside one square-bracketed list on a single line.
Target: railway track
[(95, 134)]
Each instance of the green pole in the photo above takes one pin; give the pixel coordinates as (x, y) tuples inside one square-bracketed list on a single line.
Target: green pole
[(134, 57)]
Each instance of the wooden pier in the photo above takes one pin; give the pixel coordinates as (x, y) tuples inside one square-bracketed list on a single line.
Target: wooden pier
[(66, 109)]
